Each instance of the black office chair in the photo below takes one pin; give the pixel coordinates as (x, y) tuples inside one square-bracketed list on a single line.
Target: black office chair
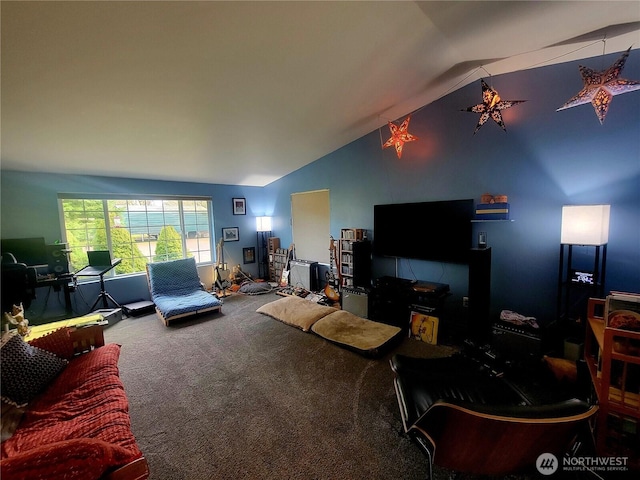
[(18, 283)]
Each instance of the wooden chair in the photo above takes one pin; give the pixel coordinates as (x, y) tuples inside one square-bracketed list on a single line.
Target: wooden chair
[(481, 433)]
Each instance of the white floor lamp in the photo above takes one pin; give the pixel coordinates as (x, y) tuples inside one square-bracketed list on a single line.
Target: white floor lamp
[(582, 225)]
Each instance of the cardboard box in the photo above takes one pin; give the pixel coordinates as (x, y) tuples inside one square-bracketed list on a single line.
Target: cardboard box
[(492, 211)]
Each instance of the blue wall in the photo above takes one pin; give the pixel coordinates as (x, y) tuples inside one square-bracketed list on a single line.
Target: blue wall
[(546, 159), (30, 209)]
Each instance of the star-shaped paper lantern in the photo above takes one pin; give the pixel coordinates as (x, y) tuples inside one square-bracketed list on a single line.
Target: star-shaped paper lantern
[(399, 136), (491, 107), (600, 87)]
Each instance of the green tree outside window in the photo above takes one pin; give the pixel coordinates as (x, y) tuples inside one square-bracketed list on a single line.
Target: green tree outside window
[(169, 245)]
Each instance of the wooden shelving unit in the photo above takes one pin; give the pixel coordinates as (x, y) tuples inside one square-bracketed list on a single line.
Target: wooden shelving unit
[(273, 245), (612, 356), (279, 263), (354, 258)]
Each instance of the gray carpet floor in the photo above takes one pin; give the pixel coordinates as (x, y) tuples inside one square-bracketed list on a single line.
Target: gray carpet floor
[(239, 395)]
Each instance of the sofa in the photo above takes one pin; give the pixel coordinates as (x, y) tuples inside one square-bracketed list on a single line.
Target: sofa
[(177, 292), (65, 413)]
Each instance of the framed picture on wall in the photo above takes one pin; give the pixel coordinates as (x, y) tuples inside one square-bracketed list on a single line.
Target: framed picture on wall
[(230, 234), (239, 206), (249, 255)]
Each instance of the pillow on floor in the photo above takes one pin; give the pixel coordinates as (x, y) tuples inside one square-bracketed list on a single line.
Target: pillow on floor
[(26, 370), (255, 288), (363, 336), (296, 311)]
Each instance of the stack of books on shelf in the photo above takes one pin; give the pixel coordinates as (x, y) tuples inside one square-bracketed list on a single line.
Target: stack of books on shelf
[(492, 211)]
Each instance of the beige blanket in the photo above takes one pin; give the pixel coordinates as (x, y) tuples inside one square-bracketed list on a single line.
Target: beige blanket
[(296, 311), (345, 328)]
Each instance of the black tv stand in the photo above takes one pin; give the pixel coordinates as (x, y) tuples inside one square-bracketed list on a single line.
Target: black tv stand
[(393, 299)]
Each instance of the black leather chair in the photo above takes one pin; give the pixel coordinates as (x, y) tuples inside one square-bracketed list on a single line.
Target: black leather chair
[(18, 283), (469, 421)]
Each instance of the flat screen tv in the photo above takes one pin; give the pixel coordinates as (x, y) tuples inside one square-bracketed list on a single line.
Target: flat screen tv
[(436, 231)]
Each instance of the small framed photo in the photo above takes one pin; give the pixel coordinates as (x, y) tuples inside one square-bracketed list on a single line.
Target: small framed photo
[(249, 255), (231, 234), (239, 206)]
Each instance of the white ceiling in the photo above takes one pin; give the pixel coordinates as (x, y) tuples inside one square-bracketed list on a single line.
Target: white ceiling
[(246, 92)]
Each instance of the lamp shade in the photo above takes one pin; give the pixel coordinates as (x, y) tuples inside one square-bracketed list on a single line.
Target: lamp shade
[(263, 224), (585, 224)]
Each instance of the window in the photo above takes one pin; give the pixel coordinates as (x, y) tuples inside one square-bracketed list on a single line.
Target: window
[(137, 230)]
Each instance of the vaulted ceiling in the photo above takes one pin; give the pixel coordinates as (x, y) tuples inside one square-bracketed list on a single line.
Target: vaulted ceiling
[(237, 92)]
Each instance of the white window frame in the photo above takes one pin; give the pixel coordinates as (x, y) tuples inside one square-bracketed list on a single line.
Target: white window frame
[(202, 238)]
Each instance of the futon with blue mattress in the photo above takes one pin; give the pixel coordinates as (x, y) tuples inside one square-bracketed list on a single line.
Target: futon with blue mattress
[(177, 291)]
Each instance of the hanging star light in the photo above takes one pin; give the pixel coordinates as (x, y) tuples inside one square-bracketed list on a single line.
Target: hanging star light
[(491, 106), (600, 87), (399, 136)]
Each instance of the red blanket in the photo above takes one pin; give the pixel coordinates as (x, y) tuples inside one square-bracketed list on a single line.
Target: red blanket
[(78, 428)]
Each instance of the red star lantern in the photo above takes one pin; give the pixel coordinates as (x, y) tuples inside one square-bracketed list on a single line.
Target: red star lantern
[(491, 107), (600, 87), (399, 136)]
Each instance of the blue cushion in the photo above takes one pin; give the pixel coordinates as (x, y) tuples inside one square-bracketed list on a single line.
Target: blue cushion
[(176, 289), (174, 305), (174, 277)]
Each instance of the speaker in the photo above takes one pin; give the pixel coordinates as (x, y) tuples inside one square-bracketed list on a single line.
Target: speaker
[(303, 273), (516, 343), (480, 293), (57, 258), (361, 263), (356, 301)]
